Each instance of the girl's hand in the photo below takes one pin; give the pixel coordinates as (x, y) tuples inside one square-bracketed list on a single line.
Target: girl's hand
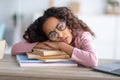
[(42, 45), (53, 45), (60, 46)]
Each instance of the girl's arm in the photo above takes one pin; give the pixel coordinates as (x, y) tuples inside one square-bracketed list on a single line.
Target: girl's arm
[(22, 47), (85, 58), (84, 52)]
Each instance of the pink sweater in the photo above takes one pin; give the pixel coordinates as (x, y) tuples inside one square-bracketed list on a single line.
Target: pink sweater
[(83, 52)]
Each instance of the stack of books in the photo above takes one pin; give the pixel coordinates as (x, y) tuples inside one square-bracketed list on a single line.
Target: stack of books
[(41, 57), (48, 55)]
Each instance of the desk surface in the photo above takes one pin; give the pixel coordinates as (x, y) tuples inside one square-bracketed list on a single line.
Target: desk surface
[(9, 69)]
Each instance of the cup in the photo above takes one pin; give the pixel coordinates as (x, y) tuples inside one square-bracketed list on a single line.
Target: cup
[(2, 48)]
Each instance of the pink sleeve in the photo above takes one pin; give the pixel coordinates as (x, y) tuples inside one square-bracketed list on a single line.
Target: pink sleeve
[(85, 55), (22, 47)]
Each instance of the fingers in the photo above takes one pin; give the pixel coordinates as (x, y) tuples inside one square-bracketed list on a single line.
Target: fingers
[(52, 45), (43, 45)]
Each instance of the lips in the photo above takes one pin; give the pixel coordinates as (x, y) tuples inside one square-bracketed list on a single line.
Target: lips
[(65, 39)]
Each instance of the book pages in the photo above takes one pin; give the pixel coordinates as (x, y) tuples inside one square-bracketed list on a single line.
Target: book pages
[(55, 57), (44, 52)]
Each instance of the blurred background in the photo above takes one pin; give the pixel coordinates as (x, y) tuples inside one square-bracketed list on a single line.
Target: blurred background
[(102, 16)]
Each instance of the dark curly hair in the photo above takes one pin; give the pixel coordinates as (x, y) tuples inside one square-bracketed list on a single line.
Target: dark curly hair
[(35, 33)]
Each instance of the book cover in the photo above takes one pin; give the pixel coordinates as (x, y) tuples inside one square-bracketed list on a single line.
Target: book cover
[(37, 56), (44, 52), (23, 61)]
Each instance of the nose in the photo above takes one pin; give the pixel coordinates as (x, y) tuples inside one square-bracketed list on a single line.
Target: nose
[(60, 33)]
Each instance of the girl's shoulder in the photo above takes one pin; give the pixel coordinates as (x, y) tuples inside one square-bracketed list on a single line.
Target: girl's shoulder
[(80, 37), (81, 34)]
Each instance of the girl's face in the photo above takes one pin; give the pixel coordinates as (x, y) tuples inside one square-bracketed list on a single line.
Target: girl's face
[(57, 30)]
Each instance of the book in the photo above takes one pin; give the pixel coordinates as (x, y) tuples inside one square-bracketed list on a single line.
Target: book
[(23, 61), (44, 52), (37, 56), (2, 48)]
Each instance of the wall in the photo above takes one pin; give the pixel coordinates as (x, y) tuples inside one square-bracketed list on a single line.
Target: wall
[(117, 38), (107, 34), (29, 7), (7, 8)]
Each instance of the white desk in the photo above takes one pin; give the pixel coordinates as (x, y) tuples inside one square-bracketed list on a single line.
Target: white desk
[(10, 70)]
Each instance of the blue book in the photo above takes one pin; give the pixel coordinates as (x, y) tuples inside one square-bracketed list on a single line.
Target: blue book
[(23, 61)]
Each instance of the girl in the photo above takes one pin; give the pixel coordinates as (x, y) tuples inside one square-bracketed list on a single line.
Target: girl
[(59, 29)]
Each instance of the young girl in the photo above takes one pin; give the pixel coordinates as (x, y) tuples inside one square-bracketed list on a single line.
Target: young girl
[(59, 29)]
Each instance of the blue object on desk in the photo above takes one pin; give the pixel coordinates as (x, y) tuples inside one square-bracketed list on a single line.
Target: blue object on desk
[(23, 59), (2, 30), (25, 62)]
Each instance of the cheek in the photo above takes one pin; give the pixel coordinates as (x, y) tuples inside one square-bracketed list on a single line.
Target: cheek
[(68, 31)]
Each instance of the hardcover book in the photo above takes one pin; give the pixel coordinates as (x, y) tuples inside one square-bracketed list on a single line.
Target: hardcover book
[(23, 61), (37, 56), (43, 52)]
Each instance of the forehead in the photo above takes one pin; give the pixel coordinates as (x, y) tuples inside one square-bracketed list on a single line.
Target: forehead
[(50, 24)]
